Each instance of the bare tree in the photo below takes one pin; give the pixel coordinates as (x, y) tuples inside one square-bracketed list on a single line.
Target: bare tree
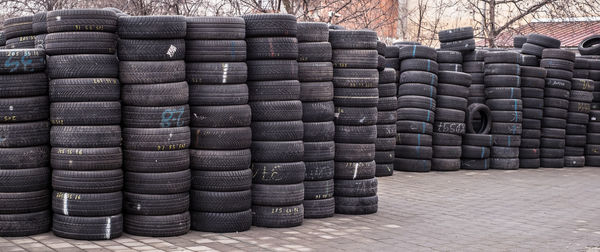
[(492, 17), (426, 19)]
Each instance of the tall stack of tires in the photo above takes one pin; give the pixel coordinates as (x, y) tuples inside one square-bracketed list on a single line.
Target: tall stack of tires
[(391, 58), (40, 29), (85, 113), (532, 96), (277, 127), (536, 43), (19, 32), (24, 138), (385, 144), (315, 72), (578, 119), (417, 92), (474, 65), (156, 135), (503, 97), (449, 126), (459, 39), (477, 142), (592, 151), (559, 66), (450, 61), (356, 96), (220, 199)]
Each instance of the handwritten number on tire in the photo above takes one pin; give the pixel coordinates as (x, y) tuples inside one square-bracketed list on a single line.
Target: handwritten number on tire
[(172, 115)]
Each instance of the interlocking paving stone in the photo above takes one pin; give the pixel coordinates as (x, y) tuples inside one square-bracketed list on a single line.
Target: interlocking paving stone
[(524, 210)]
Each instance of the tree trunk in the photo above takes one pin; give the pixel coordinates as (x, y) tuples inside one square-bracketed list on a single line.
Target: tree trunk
[(492, 23)]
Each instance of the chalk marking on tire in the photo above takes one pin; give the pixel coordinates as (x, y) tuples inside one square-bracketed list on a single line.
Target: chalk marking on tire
[(107, 234), (66, 204)]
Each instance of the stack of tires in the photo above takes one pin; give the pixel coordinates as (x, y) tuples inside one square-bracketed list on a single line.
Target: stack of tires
[(577, 120), (216, 54), (386, 123), (536, 43), (477, 142), (381, 61), (220, 199), (592, 151), (355, 80), (449, 126), (277, 127), (156, 135), (459, 39), (40, 29), (532, 96), (450, 61), (24, 137), (85, 113), (559, 66), (391, 58), (315, 72), (503, 97), (474, 65), (19, 32), (417, 92)]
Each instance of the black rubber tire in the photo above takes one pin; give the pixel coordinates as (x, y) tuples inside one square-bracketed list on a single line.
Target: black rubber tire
[(25, 202), (356, 97), (25, 224), (216, 95), (277, 195), (542, 40), (86, 159), (220, 202), (271, 48), (88, 89), (28, 109), (158, 226), (25, 157), (156, 117), (353, 39), (356, 205), (509, 57), (83, 66), (151, 72), (504, 163), (229, 138), (20, 61), (152, 27), (425, 65), (85, 113), (353, 58), (222, 181), (24, 180), (24, 134), (155, 204), (22, 85), (314, 52), (222, 222), (87, 181), (154, 50), (322, 208), (322, 170), (418, 77), (355, 78), (85, 136), (474, 164), (156, 161), (220, 116), (18, 26), (354, 170), (156, 139), (278, 216), (348, 152), (87, 204), (590, 45), (270, 25), (81, 43), (318, 111)]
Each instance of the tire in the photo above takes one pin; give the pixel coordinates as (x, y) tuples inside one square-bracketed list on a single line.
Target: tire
[(18, 26), (158, 226), (220, 202), (277, 217), (414, 151), (158, 183), (151, 72), (225, 138), (414, 114), (25, 224), (215, 28), (475, 164), (355, 78), (284, 90), (314, 52), (352, 58), (532, 49), (502, 69), (322, 170), (312, 32), (356, 205), (348, 152), (316, 92), (277, 195), (417, 52), (425, 65), (533, 73), (156, 117), (416, 89), (353, 39), (85, 136), (557, 53), (16, 110), (83, 66), (216, 160), (25, 202), (506, 81), (156, 95), (24, 158), (485, 115), (85, 113), (518, 41), (222, 181), (452, 90), (443, 164), (155, 204), (268, 70), (156, 139), (87, 181), (87, 204), (22, 85), (86, 159), (318, 111), (156, 161), (271, 48), (89, 89), (412, 165), (542, 40), (270, 25), (322, 208), (356, 97), (354, 170), (218, 95), (81, 43), (455, 34), (152, 27), (319, 131), (222, 222), (20, 61), (24, 180), (590, 45), (319, 151), (315, 72), (502, 93), (552, 162), (557, 64), (414, 139), (419, 77), (276, 110), (504, 163), (502, 57), (21, 42), (154, 50), (220, 116), (24, 134)]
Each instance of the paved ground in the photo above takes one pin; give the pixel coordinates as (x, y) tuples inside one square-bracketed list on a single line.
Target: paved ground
[(524, 210)]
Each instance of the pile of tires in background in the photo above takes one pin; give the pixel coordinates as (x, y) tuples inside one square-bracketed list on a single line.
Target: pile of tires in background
[(162, 124)]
